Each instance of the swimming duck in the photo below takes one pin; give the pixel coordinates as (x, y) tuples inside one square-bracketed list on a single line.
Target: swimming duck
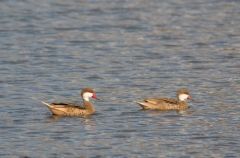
[(69, 109), (167, 103)]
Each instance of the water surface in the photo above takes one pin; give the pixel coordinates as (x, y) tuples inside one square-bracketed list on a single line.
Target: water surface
[(126, 50)]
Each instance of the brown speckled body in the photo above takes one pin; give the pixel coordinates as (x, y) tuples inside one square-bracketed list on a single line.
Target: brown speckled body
[(165, 104), (63, 109)]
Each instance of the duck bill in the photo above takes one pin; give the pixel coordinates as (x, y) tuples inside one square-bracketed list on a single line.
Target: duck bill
[(95, 97), (190, 97)]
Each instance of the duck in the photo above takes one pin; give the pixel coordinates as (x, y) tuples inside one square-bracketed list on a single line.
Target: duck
[(71, 109), (165, 104)]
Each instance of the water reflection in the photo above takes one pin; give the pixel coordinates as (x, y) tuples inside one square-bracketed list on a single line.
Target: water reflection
[(88, 121)]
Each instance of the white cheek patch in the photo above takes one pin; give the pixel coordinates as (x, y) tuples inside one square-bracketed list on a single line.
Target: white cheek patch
[(87, 95), (183, 97)]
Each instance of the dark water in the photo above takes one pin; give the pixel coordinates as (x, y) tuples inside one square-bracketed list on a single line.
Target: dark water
[(126, 50)]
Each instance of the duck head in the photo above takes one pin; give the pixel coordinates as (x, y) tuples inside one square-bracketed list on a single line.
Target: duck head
[(88, 93), (183, 94)]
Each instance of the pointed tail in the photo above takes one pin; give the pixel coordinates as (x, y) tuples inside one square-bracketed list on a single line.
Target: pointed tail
[(141, 104), (49, 105)]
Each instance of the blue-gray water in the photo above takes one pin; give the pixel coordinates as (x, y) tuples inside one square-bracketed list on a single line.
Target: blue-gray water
[(126, 50)]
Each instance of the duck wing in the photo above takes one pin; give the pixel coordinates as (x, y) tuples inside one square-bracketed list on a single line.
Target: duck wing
[(159, 104), (67, 109), (66, 105), (161, 100)]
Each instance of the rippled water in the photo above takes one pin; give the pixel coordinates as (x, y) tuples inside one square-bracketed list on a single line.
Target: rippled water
[(126, 50)]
